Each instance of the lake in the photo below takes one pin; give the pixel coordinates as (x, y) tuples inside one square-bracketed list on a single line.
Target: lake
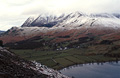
[(93, 70)]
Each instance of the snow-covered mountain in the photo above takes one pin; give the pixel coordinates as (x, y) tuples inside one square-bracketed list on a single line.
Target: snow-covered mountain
[(78, 20), (75, 18), (43, 21), (62, 25)]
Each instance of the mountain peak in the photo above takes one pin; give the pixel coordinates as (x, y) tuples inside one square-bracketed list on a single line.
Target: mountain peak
[(28, 22), (43, 20)]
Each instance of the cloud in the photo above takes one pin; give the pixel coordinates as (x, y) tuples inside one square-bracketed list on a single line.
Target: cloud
[(15, 12), (61, 6)]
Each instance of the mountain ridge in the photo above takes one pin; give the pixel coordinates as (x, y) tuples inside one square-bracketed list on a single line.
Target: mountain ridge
[(52, 20), (75, 25)]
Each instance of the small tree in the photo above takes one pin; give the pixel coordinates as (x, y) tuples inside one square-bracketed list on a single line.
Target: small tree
[(1, 43)]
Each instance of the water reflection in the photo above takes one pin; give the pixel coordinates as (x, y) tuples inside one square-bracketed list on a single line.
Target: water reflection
[(94, 70)]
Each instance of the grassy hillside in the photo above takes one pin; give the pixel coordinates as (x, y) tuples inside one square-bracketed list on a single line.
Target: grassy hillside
[(64, 58)]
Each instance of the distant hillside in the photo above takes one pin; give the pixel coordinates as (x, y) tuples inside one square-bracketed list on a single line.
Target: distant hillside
[(2, 32), (67, 30)]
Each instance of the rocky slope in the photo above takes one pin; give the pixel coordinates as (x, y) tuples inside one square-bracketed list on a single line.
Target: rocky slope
[(12, 66)]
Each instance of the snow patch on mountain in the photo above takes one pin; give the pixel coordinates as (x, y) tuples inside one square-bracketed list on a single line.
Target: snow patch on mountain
[(28, 22), (108, 22)]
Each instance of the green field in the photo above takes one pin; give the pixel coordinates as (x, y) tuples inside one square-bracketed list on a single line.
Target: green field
[(61, 59)]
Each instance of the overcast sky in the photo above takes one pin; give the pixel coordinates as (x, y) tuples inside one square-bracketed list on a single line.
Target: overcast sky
[(15, 12)]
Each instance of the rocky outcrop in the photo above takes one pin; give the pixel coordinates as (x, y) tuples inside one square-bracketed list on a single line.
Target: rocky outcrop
[(12, 66)]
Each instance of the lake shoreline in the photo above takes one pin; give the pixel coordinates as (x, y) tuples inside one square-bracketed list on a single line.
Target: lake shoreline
[(94, 70), (104, 61), (90, 63)]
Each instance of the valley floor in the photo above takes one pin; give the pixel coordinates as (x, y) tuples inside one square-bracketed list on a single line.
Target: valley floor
[(65, 58)]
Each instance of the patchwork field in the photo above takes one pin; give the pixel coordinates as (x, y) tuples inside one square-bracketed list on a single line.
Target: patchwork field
[(65, 58)]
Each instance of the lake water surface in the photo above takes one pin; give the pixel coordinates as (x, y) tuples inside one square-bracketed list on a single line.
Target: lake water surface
[(95, 70)]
